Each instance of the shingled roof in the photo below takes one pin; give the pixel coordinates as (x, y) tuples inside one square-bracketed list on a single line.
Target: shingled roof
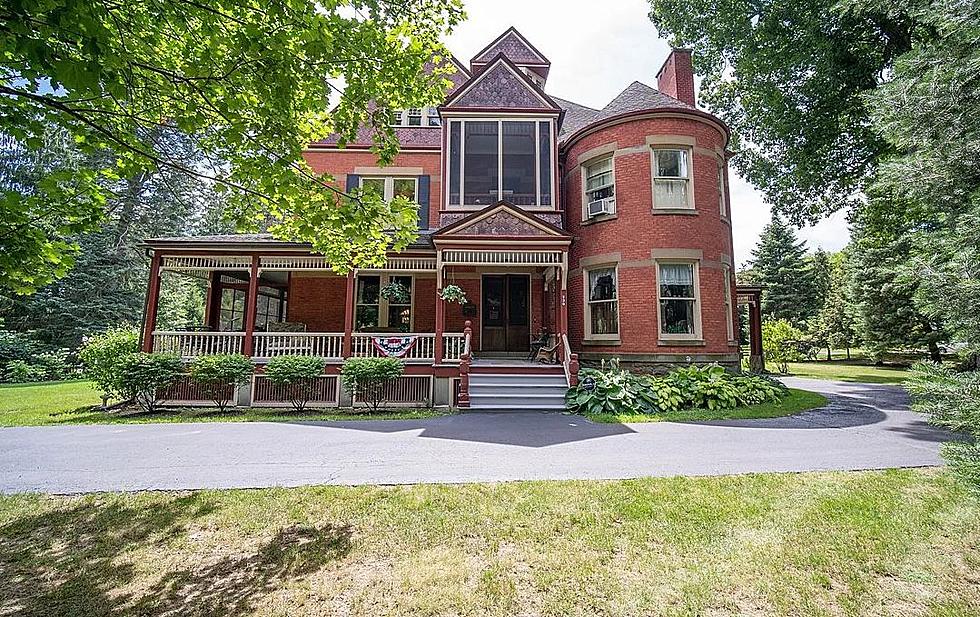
[(423, 241)]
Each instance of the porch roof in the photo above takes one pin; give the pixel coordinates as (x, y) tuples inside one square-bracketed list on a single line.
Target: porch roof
[(239, 242)]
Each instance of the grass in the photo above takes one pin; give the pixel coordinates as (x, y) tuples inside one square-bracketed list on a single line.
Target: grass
[(73, 402), (849, 370), (850, 544), (795, 402)]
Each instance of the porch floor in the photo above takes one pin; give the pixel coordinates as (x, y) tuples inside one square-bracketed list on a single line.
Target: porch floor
[(506, 362)]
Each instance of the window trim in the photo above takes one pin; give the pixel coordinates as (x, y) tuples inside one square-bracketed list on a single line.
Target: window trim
[(696, 266), (383, 279), (587, 333), (726, 272), (654, 176), (389, 190), (427, 115), (722, 200), (585, 183), (500, 161)]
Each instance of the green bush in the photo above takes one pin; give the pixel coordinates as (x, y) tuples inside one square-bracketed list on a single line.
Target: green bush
[(219, 374), (951, 399), (19, 371), (102, 355), (620, 392), (296, 374), (365, 378), (142, 376), (781, 343)]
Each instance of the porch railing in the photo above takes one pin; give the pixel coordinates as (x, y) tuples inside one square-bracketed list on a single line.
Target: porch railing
[(569, 362), (327, 345), (362, 346), (452, 346), (192, 344)]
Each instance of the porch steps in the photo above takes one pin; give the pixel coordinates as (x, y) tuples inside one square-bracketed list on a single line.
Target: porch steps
[(516, 392)]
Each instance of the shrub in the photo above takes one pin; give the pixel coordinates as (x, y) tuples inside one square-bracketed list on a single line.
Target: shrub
[(296, 374), (19, 371), (218, 374), (141, 376), (952, 400), (621, 393), (366, 378), (102, 354), (780, 343)]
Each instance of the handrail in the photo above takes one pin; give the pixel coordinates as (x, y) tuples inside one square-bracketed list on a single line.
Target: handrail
[(569, 362)]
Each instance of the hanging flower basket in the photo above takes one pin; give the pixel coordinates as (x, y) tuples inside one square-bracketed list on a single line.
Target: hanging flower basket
[(396, 293), (453, 293)]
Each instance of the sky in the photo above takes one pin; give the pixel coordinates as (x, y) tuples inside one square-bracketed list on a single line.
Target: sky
[(596, 50)]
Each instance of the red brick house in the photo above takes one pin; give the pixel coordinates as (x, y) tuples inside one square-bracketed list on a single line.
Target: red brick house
[(599, 233)]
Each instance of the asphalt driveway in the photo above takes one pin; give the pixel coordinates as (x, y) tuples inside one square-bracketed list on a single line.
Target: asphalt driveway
[(864, 427)]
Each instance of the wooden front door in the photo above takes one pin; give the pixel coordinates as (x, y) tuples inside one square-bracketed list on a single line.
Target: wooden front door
[(506, 312)]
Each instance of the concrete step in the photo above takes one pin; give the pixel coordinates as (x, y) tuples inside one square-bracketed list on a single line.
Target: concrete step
[(483, 379), (518, 389), (497, 399), (515, 409)]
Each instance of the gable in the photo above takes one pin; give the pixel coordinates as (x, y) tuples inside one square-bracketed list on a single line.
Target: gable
[(499, 86), (501, 220), (512, 45)]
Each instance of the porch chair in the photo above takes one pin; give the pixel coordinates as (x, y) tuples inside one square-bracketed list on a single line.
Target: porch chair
[(548, 355)]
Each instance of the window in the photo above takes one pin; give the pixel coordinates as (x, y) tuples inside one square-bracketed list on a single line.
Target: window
[(389, 188), (494, 160), (270, 307), (722, 206), (677, 290), (232, 317), (602, 304), (600, 183), (671, 178), (727, 274), (428, 116), (375, 313)]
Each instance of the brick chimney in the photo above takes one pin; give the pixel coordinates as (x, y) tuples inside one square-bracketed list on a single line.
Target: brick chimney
[(676, 76)]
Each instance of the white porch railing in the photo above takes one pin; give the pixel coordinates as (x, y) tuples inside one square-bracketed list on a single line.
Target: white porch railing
[(192, 344), (362, 346), (327, 345), (452, 346)]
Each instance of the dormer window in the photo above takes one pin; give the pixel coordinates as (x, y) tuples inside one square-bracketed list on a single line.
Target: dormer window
[(500, 160), (416, 116)]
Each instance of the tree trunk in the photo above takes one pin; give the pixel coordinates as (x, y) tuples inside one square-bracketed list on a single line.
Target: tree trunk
[(934, 353), (848, 353), (829, 357)]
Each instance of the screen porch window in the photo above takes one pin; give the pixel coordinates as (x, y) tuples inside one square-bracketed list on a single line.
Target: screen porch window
[(600, 182), (427, 116), (375, 313), (494, 160), (415, 117), (232, 315), (389, 188), (671, 178), (677, 291), (602, 304)]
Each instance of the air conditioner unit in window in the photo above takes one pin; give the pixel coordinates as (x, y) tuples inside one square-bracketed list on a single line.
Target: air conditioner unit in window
[(602, 206)]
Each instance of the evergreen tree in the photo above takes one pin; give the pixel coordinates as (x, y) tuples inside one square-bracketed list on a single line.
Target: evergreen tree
[(780, 265), (823, 275), (836, 324)]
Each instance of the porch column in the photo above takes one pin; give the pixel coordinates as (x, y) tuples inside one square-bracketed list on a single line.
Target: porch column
[(440, 313), (251, 306), (757, 359), (348, 316), (152, 299)]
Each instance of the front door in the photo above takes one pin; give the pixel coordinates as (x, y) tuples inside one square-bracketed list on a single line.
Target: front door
[(506, 312)]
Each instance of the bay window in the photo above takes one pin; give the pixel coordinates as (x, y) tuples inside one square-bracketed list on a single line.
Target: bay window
[(500, 160), (671, 178), (601, 304), (376, 311), (677, 297)]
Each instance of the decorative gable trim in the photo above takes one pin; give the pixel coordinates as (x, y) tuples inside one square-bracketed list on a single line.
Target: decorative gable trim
[(501, 220), (486, 55), (472, 95)]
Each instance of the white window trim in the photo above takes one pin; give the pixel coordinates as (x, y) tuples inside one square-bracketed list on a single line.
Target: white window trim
[(654, 175), (500, 160), (427, 114), (587, 303), (585, 183), (729, 308), (697, 301), (383, 280), (389, 192)]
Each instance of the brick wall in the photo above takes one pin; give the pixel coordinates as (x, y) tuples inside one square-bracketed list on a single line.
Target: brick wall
[(636, 231)]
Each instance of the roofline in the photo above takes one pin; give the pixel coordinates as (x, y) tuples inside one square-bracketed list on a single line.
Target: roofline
[(516, 70), (442, 232), (696, 114), (502, 35)]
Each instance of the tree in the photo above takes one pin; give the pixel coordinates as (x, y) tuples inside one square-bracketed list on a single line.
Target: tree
[(823, 274), (836, 324), (779, 264), (252, 82), (789, 79)]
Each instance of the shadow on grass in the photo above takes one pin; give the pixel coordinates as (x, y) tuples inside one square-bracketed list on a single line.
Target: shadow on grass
[(76, 561)]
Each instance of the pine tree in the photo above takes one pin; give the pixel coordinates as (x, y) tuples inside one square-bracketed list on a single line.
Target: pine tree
[(780, 265)]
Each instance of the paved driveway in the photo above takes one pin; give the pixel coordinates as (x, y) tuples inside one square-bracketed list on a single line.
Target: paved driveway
[(864, 427)]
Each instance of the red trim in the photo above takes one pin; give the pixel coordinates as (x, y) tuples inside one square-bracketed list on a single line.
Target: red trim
[(152, 299), (348, 317)]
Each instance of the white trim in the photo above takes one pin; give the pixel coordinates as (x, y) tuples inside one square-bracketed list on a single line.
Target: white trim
[(655, 175), (389, 185), (383, 304), (585, 182)]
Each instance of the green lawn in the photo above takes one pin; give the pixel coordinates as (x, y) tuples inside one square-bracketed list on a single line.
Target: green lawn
[(795, 402), (849, 370), (71, 402), (849, 544)]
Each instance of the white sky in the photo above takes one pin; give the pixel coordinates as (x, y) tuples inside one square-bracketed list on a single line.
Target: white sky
[(596, 50)]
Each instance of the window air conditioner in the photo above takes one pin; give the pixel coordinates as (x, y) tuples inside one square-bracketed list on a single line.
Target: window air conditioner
[(602, 206)]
